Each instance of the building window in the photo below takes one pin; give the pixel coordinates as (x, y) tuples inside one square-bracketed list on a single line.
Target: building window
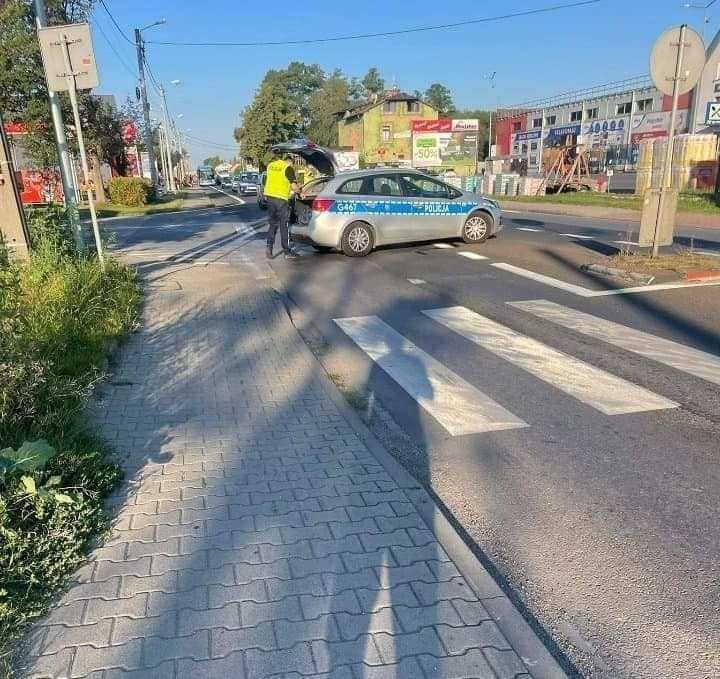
[(575, 116), (533, 146), (624, 109), (717, 87), (516, 127), (644, 105), (389, 107), (413, 107), (592, 113), (386, 133), (550, 120), (537, 122)]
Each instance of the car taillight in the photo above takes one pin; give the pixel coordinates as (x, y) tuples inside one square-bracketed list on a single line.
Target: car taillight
[(322, 204)]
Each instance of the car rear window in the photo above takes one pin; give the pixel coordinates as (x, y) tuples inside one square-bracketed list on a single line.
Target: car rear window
[(312, 188), (352, 186)]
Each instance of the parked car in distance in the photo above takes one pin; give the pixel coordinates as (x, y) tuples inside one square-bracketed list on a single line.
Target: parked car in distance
[(262, 204), (358, 210), (248, 183), (226, 182), (235, 183)]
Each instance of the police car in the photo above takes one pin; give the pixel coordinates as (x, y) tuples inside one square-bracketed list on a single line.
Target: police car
[(356, 211)]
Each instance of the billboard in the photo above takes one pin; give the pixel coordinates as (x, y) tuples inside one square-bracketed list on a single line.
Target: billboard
[(444, 142), (650, 125)]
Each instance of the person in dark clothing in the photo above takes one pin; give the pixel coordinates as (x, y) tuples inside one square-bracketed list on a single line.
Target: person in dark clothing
[(280, 183)]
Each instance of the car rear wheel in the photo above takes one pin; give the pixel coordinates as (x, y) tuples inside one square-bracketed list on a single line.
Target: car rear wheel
[(477, 227), (358, 240)]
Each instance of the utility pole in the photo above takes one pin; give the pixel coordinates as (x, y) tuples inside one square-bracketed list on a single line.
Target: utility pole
[(145, 107), (14, 232), (168, 133), (64, 158), (72, 91)]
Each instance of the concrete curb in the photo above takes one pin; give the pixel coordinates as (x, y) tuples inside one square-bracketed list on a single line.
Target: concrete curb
[(643, 278), (537, 658)]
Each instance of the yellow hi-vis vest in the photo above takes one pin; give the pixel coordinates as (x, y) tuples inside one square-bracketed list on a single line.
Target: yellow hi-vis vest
[(276, 183)]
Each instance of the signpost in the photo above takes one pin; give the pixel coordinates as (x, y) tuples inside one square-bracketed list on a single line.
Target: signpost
[(712, 113), (676, 64), (69, 62)]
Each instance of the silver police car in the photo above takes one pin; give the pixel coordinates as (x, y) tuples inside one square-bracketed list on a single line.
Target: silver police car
[(358, 210)]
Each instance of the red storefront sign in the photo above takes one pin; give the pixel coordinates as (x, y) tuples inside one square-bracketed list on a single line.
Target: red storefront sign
[(128, 132), (15, 128), (440, 125)]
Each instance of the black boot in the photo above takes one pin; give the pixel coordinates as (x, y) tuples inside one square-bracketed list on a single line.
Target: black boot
[(268, 251)]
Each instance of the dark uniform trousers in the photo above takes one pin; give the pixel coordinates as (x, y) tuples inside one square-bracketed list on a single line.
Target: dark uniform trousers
[(278, 216)]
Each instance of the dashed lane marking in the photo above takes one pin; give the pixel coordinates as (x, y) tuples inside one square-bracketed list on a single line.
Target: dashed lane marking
[(472, 255)]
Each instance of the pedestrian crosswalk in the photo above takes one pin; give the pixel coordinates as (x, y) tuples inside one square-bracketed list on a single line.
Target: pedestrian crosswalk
[(462, 408)]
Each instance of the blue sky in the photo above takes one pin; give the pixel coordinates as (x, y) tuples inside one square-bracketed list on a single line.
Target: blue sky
[(533, 56)]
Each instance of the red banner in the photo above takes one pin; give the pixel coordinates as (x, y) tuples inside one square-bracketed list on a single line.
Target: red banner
[(128, 132), (440, 125), (15, 128)]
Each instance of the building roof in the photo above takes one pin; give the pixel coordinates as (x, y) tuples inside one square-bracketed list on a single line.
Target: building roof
[(388, 95)]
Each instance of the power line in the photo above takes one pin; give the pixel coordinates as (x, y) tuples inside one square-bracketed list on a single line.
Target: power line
[(122, 61), (205, 142), (384, 34), (117, 25)]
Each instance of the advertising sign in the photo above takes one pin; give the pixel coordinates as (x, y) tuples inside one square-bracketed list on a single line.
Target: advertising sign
[(712, 113), (128, 132), (650, 125), (565, 131), (347, 160), (526, 136), (444, 142), (133, 161)]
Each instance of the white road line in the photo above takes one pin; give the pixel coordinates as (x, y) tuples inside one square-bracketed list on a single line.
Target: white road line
[(577, 235), (527, 228), (229, 195), (417, 281), (456, 404), (472, 255), (587, 292), (443, 246), (710, 253), (675, 355), (607, 393), (625, 242), (547, 280)]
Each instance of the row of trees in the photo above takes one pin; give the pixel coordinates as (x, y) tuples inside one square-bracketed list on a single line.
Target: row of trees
[(24, 99), (302, 101)]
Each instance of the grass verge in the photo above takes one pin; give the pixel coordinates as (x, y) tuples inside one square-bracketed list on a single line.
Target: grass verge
[(688, 202), (679, 262), (58, 314), (168, 203)]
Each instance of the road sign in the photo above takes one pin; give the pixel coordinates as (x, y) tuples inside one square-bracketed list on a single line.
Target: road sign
[(664, 56), (712, 113), (82, 58)]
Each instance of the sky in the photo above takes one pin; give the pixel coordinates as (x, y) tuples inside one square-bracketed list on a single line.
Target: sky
[(533, 56)]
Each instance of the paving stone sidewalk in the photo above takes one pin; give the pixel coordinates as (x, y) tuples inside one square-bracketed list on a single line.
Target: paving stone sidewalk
[(259, 534)]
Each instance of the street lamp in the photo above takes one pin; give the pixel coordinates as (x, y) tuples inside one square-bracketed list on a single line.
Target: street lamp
[(491, 78), (143, 95)]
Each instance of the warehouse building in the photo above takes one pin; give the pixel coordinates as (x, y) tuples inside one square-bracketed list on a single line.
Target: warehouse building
[(611, 120)]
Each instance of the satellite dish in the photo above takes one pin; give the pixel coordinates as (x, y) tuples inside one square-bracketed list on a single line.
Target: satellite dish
[(664, 55)]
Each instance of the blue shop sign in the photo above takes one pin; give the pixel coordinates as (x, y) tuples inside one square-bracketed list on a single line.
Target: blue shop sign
[(525, 136), (565, 130)]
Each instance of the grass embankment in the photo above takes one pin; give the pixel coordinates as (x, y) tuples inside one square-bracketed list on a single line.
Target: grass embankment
[(168, 203), (680, 262), (58, 315), (688, 202)]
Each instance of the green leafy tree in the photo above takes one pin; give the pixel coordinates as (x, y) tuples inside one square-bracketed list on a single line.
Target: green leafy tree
[(271, 117), (325, 104), (372, 82), (439, 96), (213, 161), (303, 80)]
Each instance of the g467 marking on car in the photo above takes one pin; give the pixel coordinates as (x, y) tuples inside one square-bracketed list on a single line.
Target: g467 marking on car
[(403, 207)]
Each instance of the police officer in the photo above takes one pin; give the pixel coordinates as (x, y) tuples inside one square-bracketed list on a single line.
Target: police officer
[(280, 182)]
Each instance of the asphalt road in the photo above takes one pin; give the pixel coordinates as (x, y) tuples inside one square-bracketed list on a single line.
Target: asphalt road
[(581, 462)]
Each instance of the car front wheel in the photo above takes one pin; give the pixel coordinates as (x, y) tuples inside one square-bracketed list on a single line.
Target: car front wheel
[(358, 240), (477, 227)]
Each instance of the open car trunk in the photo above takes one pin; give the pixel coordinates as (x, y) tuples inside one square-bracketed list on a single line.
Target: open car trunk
[(322, 159)]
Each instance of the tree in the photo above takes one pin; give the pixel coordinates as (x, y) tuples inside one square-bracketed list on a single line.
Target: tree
[(132, 110), (271, 117), (325, 103), (213, 161), (102, 126), (373, 83), (439, 96), (303, 80)]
